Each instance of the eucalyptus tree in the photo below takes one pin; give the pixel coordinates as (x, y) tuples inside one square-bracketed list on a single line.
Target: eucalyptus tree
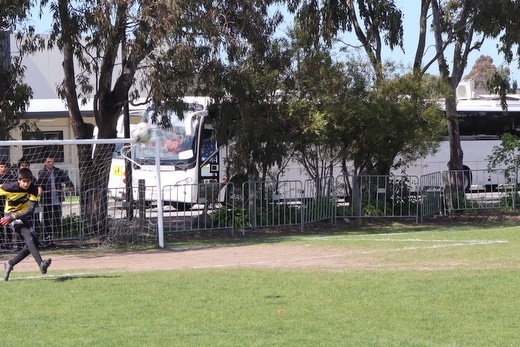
[(459, 25), (463, 26), (172, 44), (252, 114), (318, 108), (348, 115), (455, 24), (389, 120), (375, 24), (481, 72), (14, 94)]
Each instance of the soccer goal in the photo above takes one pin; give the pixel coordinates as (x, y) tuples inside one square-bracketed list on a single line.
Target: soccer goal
[(85, 194)]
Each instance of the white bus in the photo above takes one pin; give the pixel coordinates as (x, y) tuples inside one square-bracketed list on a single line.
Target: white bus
[(187, 152), (482, 122)]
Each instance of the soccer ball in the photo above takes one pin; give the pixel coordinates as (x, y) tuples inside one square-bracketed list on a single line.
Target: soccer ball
[(141, 133)]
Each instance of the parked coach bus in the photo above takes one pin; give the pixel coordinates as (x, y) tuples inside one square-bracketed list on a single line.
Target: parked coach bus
[(482, 122), (188, 156)]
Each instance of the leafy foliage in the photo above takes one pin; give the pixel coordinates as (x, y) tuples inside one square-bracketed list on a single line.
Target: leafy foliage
[(506, 155), (172, 46), (375, 23), (319, 110), (14, 94), (343, 118), (465, 25), (482, 71), (252, 114)]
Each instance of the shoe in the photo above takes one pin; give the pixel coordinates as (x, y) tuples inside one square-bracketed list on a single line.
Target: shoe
[(44, 265), (7, 270)]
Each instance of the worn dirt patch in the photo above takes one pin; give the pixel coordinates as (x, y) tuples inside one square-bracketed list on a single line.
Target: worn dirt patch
[(270, 256), (259, 255)]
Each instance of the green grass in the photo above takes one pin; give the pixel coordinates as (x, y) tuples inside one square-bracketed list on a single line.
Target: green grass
[(451, 286), (71, 198)]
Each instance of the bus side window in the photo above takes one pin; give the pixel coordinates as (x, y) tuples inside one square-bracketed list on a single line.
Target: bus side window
[(208, 146), (117, 151)]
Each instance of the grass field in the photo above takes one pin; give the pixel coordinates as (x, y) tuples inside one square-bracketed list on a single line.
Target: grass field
[(420, 286)]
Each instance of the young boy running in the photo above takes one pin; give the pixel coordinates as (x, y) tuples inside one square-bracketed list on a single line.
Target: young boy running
[(21, 197)]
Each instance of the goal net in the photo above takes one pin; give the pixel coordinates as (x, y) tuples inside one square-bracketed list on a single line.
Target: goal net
[(87, 197)]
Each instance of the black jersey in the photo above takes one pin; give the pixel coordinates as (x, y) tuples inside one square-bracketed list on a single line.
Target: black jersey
[(8, 177)]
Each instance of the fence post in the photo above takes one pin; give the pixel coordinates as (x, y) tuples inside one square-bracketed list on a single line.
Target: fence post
[(141, 202), (356, 196)]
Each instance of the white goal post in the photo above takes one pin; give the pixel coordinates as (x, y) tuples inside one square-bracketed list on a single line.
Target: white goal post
[(85, 162)]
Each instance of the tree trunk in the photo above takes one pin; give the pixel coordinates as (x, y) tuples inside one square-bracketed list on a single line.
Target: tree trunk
[(94, 199), (456, 154), (455, 164)]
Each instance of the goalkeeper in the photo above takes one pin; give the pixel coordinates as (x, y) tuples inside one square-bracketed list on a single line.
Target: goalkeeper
[(21, 197)]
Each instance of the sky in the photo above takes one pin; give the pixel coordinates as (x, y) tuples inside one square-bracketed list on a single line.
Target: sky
[(411, 11)]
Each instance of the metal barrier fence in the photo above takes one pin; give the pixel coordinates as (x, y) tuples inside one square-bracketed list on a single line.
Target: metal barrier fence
[(490, 189), (271, 204), (319, 200), (431, 195), (256, 204), (214, 207), (378, 196)]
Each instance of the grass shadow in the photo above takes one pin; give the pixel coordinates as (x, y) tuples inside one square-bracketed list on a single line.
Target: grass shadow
[(65, 278)]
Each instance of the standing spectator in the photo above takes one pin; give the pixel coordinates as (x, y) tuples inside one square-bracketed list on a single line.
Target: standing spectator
[(51, 180), (5, 176), (5, 173)]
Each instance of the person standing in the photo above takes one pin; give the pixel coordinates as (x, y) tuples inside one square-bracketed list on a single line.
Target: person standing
[(5, 176), (23, 163), (51, 180), (21, 197)]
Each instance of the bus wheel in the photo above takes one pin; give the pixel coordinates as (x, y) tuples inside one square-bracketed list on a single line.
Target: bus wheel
[(181, 206), (467, 177)]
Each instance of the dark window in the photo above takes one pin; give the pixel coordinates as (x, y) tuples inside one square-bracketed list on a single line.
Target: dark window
[(37, 154), (209, 146), (488, 124), (5, 154)]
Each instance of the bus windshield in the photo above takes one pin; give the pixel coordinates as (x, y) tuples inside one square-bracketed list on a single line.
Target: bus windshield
[(177, 144)]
